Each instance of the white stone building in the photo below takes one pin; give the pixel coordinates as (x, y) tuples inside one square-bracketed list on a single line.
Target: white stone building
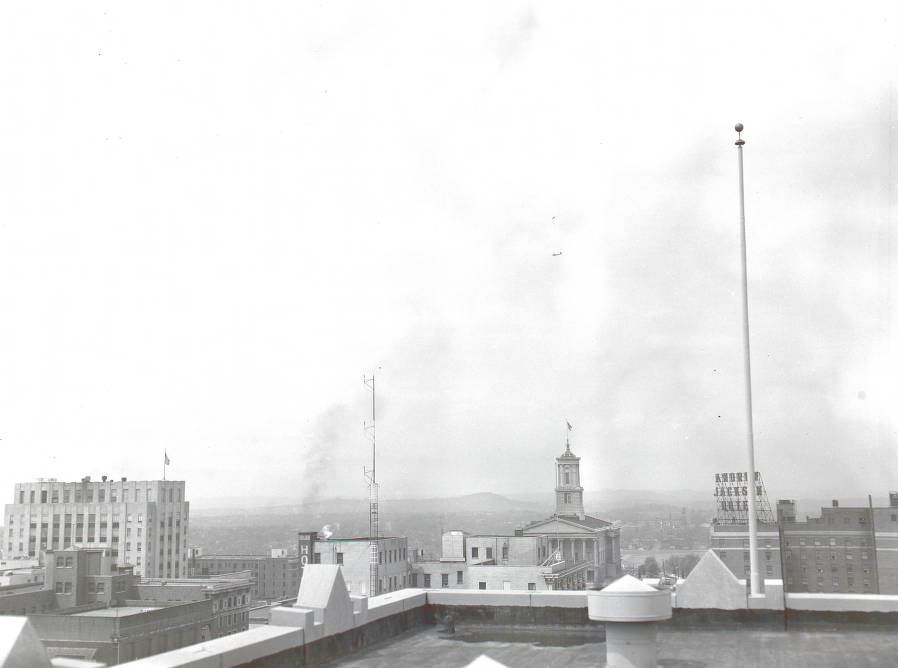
[(143, 523)]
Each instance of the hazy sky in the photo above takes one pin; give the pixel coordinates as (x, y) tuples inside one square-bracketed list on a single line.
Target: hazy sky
[(215, 217)]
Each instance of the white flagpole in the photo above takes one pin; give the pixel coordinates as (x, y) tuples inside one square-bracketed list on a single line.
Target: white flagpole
[(754, 568)]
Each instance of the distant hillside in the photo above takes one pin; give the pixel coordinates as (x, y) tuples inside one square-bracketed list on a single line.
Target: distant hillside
[(479, 502)]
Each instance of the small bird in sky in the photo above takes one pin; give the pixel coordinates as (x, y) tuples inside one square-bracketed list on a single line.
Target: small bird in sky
[(556, 254)]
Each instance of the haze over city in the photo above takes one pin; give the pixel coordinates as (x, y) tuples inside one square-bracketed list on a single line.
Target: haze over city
[(514, 214)]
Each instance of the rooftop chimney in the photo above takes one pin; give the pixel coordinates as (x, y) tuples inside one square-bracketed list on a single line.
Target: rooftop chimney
[(124, 479), (104, 478), (835, 503), (893, 499)]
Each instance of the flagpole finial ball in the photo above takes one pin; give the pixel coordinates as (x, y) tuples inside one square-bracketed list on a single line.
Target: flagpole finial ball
[(739, 127)]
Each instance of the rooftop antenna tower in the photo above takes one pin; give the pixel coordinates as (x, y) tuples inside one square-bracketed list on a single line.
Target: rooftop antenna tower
[(753, 478), (371, 478)]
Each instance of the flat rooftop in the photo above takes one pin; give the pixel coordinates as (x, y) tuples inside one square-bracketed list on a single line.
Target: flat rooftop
[(120, 611), (557, 646)]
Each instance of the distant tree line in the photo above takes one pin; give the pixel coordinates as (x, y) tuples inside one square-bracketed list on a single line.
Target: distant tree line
[(679, 565)]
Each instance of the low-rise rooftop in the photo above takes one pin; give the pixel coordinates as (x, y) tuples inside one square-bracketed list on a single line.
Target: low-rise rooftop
[(118, 611), (558, 646)]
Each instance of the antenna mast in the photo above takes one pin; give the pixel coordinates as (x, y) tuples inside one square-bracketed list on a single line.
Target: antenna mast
[(371, 478)]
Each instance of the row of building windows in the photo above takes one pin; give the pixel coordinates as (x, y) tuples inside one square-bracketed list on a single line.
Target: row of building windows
[(385, 556), (87, 495), (475, 552), (531, 586), (78, 519)]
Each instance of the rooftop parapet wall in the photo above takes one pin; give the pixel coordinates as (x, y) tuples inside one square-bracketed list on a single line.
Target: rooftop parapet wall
[(302, 641)]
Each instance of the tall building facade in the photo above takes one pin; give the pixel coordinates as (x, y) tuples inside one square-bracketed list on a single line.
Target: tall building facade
[(143, 523)]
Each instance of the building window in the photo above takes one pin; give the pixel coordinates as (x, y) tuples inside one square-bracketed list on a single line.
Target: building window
[(68, 587), (531, 586), (427, 580), (489, 553), (481, 585), (445, 579), (474, 552), (460, 577), (58, 587), (339, 557)]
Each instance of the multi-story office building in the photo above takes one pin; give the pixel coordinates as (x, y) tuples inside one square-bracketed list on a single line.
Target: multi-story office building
[(275, 577), (143, 523), (844, 550), (353, 555)]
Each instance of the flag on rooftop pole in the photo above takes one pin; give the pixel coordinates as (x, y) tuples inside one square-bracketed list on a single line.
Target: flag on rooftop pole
[(569, 427), (167, 460)]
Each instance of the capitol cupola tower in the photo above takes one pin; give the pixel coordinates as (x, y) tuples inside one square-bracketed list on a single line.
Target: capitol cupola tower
[(568, 492)]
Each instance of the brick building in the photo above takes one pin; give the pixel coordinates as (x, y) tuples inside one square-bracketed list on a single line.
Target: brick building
[(843, 550), (274, 578)]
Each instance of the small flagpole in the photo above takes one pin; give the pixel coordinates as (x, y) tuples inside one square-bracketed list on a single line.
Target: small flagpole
[(164, 463)]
